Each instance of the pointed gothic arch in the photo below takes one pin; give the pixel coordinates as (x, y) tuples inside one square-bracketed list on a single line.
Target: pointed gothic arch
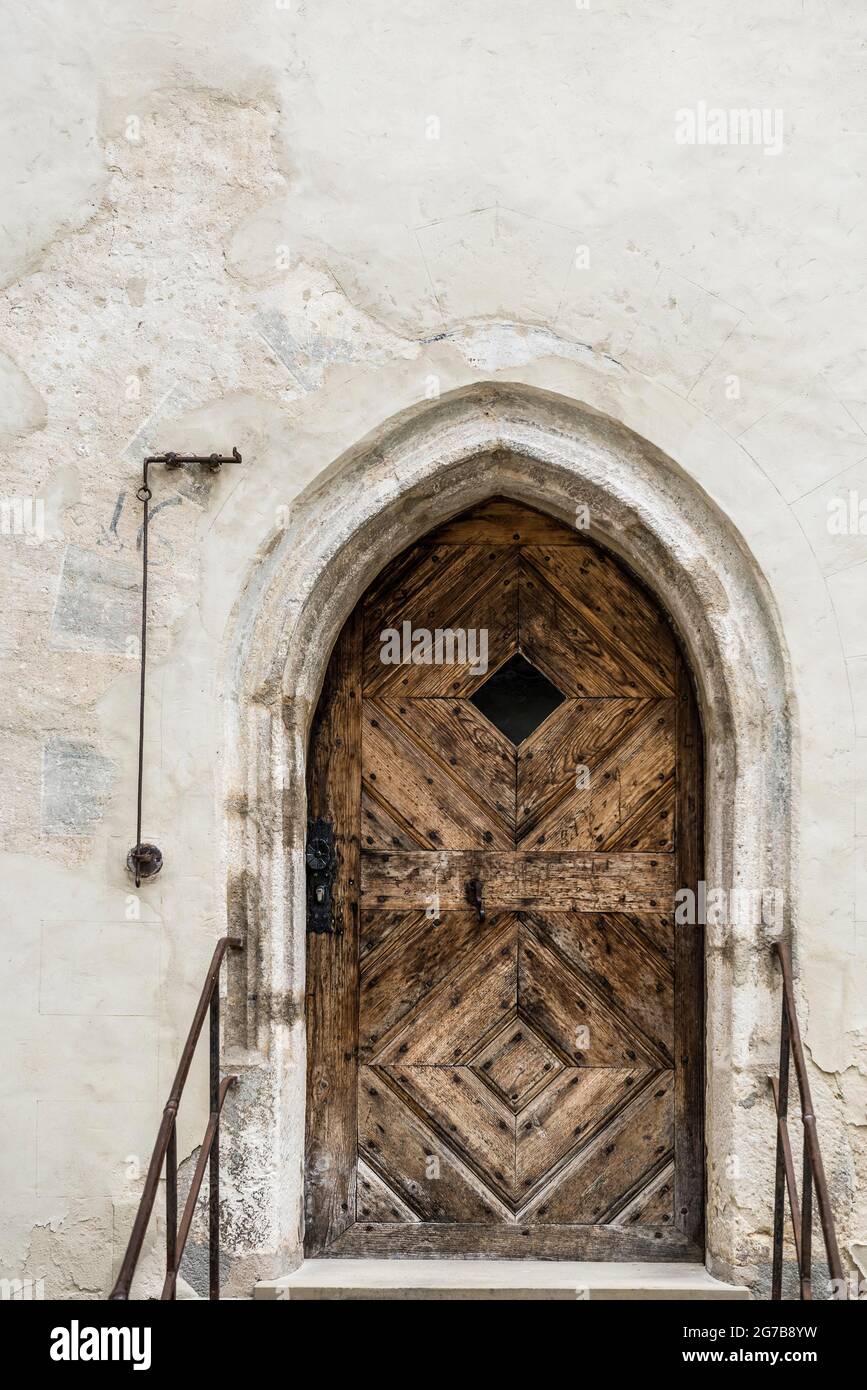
[(411, 474)]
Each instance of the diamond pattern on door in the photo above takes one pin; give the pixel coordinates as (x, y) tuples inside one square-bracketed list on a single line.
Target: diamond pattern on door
[(508, 1065), (516, 1064)]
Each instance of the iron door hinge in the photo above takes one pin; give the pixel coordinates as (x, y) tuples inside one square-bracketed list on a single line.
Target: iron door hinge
[(321, 866)]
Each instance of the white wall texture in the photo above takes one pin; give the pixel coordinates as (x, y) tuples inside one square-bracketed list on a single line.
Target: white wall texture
[(278, 226)]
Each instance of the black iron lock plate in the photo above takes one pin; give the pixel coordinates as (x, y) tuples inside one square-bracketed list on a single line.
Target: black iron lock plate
[(321, 866)]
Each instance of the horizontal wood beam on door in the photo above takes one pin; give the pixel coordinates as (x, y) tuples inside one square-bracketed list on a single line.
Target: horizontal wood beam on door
[(572, 882), (430, 1240)]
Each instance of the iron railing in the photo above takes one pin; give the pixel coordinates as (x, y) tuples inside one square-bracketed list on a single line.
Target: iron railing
[(166, 1151), (813, 1171)]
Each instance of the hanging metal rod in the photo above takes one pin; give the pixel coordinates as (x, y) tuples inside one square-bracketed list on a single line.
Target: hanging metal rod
[(146, 860)]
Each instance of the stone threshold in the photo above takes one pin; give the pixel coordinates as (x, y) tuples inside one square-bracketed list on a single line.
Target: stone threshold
[(340, 1280)]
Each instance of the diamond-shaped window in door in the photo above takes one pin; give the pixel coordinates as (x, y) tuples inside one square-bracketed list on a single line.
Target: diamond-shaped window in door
[(517, 698)]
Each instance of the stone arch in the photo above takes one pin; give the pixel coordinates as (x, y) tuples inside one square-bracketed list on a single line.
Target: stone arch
[(419, 468)]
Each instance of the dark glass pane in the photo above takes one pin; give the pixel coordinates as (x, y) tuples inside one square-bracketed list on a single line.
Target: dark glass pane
[(517, 698)]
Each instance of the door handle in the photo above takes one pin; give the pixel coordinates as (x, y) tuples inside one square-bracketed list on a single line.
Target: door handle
[(476, 895), (321, 864)]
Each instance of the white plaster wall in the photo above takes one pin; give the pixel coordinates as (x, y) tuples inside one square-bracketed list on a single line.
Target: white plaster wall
[(225, 224)]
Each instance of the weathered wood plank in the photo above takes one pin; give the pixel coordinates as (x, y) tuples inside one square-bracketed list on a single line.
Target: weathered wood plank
[(416, 954), (568, 650), (615, 609), (437, 1241), (516, 1064), (440, 772), (586, 1028), (566, 1116), (579, 734), (375, 1201), (376, 927), (623, 799), (423, 581), (654, 1205), (429, 1176), (433, 802), (467, 1116), (334, 793), (382, 827), (465, 587), (621, 963), (615, 1166), (449, 1022), (461, 742), (512, 882), (501, 521)]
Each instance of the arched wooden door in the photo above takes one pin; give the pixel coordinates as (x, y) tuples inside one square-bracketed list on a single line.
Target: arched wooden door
[(504, 1023)]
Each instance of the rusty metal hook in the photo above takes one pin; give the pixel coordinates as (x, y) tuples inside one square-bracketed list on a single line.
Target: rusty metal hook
[(475, 893)]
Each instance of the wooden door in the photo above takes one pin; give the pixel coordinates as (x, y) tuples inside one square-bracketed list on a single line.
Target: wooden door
[(504, 1023)]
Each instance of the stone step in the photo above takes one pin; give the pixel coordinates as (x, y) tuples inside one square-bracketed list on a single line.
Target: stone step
[(497, 1279)]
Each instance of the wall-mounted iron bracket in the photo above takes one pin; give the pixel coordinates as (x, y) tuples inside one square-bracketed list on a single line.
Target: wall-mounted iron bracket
[(145, 861)]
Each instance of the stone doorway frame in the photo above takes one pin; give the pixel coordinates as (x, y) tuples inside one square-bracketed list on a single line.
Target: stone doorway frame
[(418, 469)]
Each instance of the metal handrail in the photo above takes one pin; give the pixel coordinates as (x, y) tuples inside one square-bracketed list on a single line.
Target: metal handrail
[(813, 1174), (166, 1151)]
